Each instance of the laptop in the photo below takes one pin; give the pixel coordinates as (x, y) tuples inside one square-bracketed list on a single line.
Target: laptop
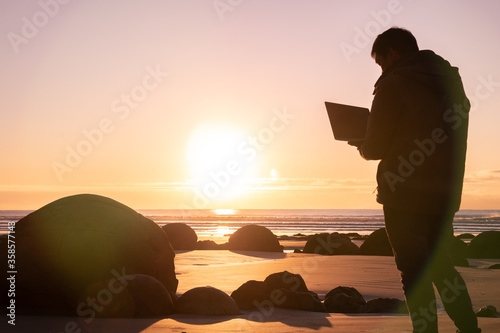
[(348, 122)]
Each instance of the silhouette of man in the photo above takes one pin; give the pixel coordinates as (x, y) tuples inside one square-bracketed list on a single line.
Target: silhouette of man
[(418, 129)]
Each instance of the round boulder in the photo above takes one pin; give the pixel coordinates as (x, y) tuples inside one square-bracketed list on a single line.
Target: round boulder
[(331, 244), (69, 244), (486, 245), (127, 296), (182, 237), (377, 244), (251, 293), (254, 238), (458, 252), (344, 300), (207, 301), (287, 280)]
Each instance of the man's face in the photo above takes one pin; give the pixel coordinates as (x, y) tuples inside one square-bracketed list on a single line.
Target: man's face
[(386, 61)]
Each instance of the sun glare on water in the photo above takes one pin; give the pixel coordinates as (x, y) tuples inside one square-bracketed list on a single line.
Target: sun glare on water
[(225, 211)]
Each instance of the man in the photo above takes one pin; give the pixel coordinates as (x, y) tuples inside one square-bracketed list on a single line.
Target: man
[(418, 129)]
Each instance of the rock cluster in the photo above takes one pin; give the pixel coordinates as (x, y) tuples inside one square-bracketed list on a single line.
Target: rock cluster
[(349, 300), (280, 290)]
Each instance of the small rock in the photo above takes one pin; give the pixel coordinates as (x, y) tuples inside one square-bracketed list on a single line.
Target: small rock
[(487, 311), (386, 305)]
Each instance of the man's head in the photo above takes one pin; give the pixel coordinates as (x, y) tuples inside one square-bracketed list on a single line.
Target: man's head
[(391, 45)]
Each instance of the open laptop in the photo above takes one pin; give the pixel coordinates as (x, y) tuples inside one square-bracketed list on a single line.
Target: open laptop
[(348, 122)]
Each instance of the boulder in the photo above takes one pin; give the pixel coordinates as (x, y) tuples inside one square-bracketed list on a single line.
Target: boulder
[(254, 238), (207, 301), (488, 311), (281, 290), (385, 305), (286, 280), (297, 300), (377, 244), (458, 252), (486, 245), (210, 245), (251, 293), (331, 244), (344, 300), (69, 244), (128, 296), (182, 237)]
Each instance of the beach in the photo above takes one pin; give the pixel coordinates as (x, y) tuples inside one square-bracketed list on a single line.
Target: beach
[(372, 276)]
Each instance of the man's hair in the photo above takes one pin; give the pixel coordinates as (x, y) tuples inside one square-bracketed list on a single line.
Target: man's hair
[(398, 39)]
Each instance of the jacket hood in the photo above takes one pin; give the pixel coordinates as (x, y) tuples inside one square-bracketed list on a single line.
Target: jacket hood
[(426, 68)]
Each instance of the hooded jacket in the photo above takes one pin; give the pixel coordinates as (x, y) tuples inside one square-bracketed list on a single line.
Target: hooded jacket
[(418, 129)]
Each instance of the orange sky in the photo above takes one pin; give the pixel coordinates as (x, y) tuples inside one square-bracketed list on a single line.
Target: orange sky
[(194, 104)]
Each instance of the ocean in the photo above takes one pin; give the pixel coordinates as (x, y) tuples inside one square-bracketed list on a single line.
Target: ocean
[(288, 222)]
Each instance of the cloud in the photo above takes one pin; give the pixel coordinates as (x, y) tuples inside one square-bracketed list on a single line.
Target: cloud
[(174, 185), (310, 184), (483, 176)]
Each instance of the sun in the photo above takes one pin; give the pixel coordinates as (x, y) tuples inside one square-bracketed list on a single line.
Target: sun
[(216, 161)]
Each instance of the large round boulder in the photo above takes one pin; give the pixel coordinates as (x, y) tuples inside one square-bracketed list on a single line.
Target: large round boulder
[(486, 245), (182, 237), (127, 296), (254, 237), (377, 244), (207, 301), (74, 242), (331, 244)]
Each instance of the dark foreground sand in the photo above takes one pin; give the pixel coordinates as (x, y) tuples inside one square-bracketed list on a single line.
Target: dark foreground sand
[(373, 276)]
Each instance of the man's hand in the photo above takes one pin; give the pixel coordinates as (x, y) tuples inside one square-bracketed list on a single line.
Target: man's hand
[(356, 143)]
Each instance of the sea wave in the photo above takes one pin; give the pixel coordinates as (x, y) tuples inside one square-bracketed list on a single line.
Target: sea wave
[(291, 222)]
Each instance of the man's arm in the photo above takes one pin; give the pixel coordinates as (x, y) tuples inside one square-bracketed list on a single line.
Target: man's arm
[(382, 122)]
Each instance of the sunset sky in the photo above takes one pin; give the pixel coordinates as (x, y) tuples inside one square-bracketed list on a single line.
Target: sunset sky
[(219, 103)]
